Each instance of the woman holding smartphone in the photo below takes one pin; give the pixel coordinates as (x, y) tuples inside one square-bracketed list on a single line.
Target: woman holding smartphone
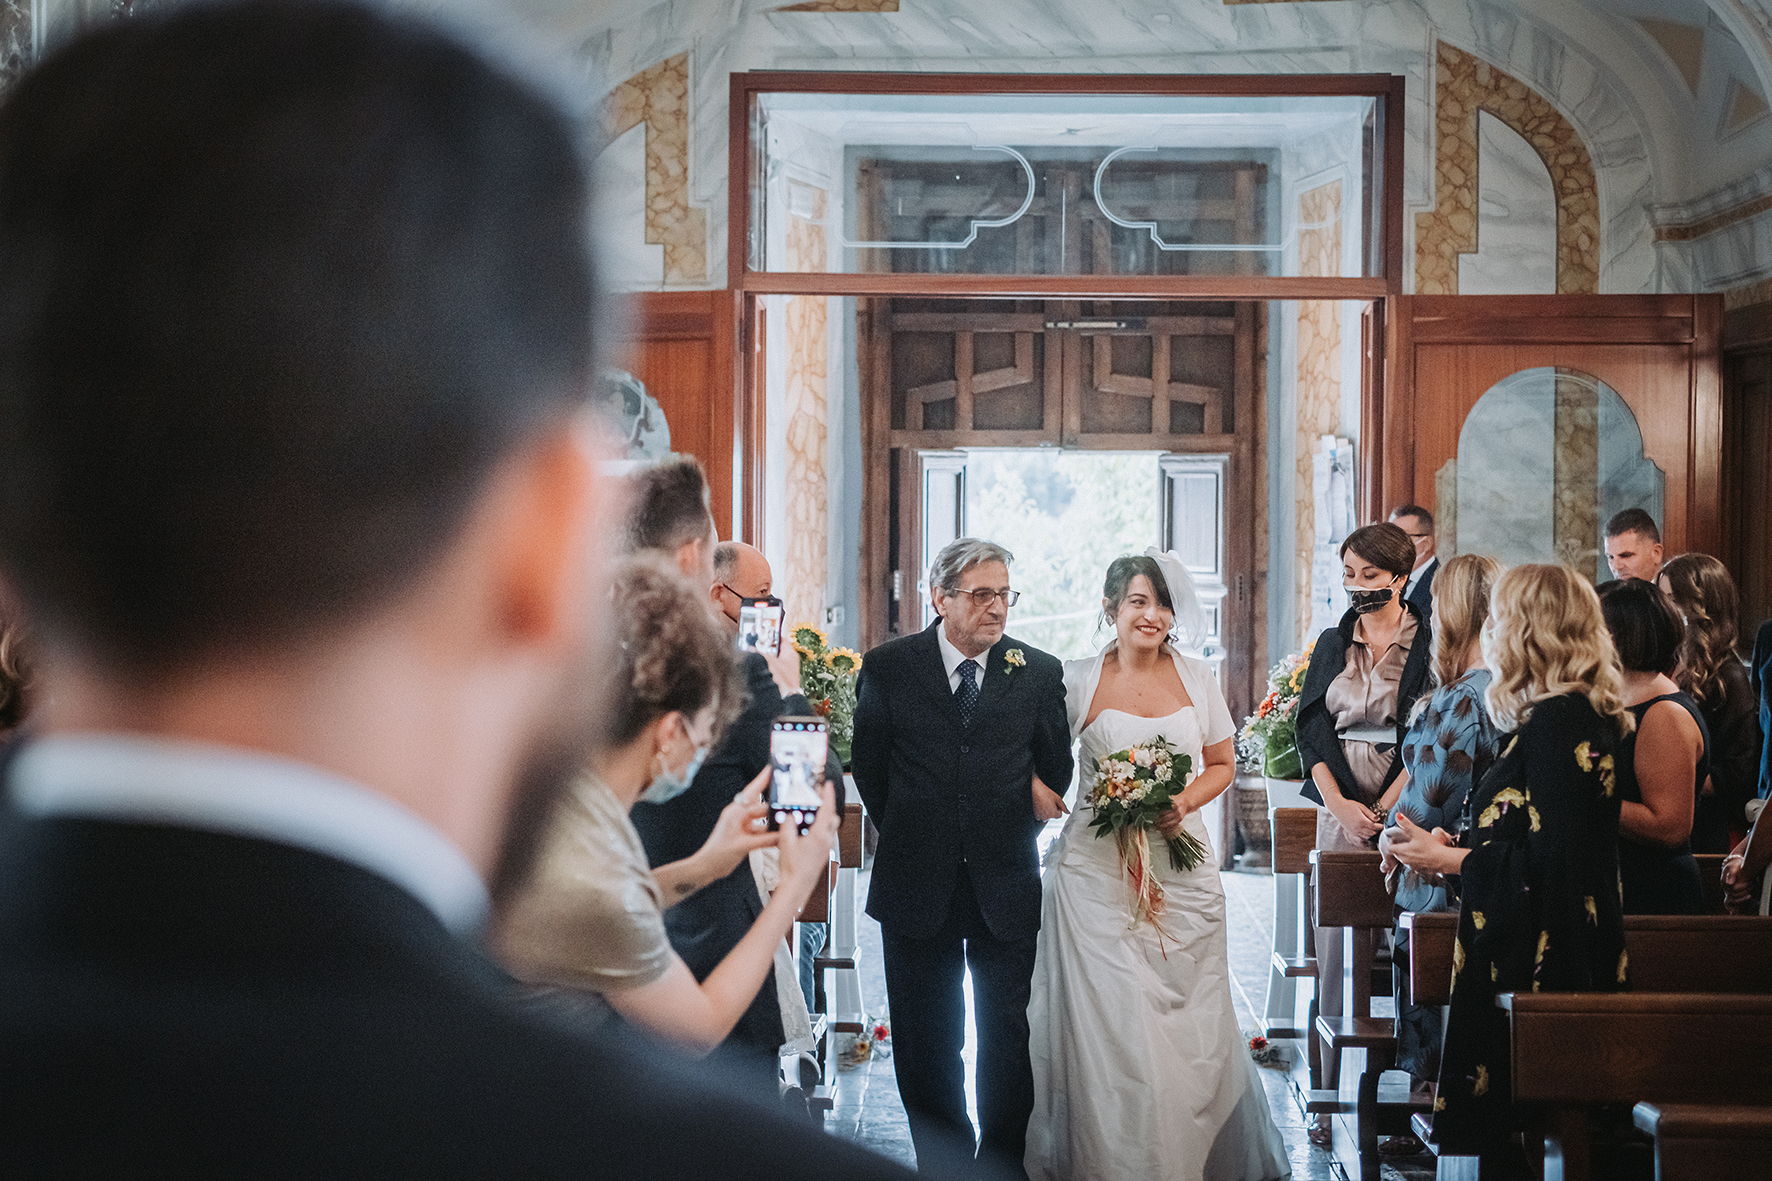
[(589, 923)]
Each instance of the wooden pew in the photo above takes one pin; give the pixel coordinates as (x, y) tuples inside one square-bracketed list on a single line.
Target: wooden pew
[(1351, 894), (1695, 1142), (1294, 835), (1576, 1050)]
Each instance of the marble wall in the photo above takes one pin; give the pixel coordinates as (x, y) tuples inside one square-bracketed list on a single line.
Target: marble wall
[(801, 584), (658, 99), (1516, 218), (15, 40), (1319, 369), (1575, 474), (1464, 86)]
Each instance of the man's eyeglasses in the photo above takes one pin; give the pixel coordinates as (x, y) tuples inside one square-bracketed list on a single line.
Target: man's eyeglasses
[(983, 596)]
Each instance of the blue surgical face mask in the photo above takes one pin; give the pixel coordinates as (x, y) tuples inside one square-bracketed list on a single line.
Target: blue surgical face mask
[(671, 784)]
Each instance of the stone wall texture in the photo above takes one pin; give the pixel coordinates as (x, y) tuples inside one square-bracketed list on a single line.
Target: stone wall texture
[(801, 585), (659, 97), (1319, 367), (1463, 85)]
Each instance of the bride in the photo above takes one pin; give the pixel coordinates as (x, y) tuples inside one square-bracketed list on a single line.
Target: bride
[(1139, 1067)]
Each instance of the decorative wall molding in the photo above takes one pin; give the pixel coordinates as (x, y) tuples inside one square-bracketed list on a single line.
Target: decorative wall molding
[(1465, 84), (842, 6), (659, 97)]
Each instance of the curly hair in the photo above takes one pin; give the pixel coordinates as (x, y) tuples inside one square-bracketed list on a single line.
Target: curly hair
[(15, 666), (1546, 637), (1706, 595), (674, 657)]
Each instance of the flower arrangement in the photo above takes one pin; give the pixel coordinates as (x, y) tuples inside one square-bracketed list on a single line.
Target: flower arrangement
[(827, 677), (1262, 1051), (1269, 741), (1131, 789)]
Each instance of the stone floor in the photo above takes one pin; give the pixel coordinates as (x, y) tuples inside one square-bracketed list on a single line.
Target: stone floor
[(868, 1109)]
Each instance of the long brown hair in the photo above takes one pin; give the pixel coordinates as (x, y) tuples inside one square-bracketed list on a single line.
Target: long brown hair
[(1706, 595), (1461, 603)]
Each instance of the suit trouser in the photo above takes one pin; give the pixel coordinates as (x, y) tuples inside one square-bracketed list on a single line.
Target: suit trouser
[(924, 983)]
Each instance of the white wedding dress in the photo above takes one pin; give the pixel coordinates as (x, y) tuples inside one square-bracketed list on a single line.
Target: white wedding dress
[(1140, 1070)]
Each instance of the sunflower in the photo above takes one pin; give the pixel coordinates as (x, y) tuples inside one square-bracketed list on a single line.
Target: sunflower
[(843, 660)]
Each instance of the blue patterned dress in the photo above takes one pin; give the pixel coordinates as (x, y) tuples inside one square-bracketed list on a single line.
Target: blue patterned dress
[(1450, 746)]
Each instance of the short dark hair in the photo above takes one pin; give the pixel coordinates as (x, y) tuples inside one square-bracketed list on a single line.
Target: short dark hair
[(280, 283), (669, 506), (1646, 626), (1416, 511), (1633, 520), (1384, 545)]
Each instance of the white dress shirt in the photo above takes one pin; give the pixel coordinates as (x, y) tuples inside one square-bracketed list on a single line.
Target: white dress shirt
[(137, 780), (1415, 576), (952, 657)]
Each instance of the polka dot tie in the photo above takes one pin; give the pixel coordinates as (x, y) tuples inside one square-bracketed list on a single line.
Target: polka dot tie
[(967, 694)]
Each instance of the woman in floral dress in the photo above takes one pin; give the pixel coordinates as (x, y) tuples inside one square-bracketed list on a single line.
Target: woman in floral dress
[(1539, 867)]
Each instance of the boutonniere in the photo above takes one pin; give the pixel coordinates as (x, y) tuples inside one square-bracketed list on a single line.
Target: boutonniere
[(1014, 659)]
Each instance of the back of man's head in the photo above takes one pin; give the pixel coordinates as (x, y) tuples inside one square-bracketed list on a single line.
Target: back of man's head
[(1634, 520), (668, 508), (280, 283)]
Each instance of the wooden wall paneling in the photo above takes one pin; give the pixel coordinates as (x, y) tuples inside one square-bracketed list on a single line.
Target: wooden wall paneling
[(1246, 644), (1370, 506), (753, 425), (1386, 457), (1390, 183), (1705, 527), (681, 347), (1747, 473)]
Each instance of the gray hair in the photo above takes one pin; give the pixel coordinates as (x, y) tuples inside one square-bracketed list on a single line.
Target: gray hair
[(957, 557), (725, 559)]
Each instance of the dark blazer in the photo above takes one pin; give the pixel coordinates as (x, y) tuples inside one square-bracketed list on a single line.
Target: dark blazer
[(189, 1004), (941, 794), (1317, 740), (709, 923), (1760, 674), (1423, 594)]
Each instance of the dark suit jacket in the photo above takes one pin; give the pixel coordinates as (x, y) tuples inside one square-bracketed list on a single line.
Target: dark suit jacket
[(186, 1004), (1423, 594), (709, 923), (941, 794), (1760, 673), (1317, 740)]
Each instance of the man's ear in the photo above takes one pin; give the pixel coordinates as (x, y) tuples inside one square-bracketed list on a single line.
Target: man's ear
[(554, 514), (688, 557)]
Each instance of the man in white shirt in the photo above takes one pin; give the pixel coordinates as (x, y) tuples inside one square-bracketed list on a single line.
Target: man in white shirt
[(1418, 523), (300, 490)]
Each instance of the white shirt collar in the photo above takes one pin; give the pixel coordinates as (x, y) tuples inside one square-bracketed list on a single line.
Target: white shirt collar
[(245, 793), (951, 658)]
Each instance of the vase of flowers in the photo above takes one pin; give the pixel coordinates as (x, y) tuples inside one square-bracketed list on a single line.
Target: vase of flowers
[(827, 677), (1269, 741)]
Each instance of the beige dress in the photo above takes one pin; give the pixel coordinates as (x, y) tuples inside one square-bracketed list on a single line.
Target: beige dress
[(1363, 697), (591, 918)]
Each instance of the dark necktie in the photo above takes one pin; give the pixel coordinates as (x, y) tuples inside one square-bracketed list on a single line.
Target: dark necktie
[(967, 694)]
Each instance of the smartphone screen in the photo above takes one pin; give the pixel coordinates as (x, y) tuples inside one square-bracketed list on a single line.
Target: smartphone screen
[(797, 749), (760, 625)]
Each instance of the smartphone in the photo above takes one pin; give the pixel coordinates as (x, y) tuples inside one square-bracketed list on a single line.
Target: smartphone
[(797, 750), (760, 625)]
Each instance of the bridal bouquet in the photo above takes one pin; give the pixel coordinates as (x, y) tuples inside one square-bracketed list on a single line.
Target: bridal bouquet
[(1131, 790)]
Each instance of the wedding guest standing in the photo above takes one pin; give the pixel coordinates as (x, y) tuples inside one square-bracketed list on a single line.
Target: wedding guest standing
[(1712, 674), (1451, 744), (1538, 865), (1633, 545), (1418, 523), (1364, 676), (1662, 762), (590, 918), (955, 728)]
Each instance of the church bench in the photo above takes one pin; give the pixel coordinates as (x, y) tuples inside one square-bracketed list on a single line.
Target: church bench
[(1293, 832), (1704, 1142), (1574, 1051), (1352, 894)]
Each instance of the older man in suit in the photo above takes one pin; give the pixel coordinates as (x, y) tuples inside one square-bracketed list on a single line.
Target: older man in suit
[(301, 491), (956, 727)]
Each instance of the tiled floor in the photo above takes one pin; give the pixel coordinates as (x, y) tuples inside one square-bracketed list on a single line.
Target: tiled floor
[(868, 1109)]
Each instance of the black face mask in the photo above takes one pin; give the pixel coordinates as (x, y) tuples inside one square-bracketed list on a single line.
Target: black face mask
[(1367, 601)]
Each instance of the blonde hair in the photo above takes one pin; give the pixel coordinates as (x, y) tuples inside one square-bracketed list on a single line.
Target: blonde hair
[(1546, 637), (1461, 602)]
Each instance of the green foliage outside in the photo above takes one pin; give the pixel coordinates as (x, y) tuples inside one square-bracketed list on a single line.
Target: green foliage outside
[(1065, 516)]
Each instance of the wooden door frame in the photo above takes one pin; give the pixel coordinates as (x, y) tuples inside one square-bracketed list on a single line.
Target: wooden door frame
[(1388, 460)]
